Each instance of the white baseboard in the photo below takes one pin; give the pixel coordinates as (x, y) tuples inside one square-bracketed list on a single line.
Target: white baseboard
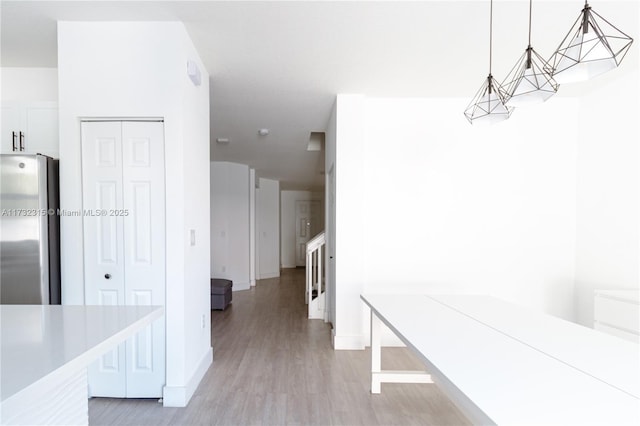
[(252, 283), (288, 266), (268, 275), (241, 286), (341, 343), (179, 396)]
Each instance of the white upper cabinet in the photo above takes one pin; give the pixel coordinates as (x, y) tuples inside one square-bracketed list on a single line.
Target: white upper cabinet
[(30, 128)]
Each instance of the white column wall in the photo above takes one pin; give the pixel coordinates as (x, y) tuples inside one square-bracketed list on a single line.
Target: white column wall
[(427, 202), (196, 289), (268, 229), (252, 227), (351, 210), (230, 217), (330, 213), (138, 69)]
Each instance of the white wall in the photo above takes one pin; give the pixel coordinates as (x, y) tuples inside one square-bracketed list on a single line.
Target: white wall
[(230, 223), (138, 69), (350, 230), (427, 202), (330, 214), (268, 229), (288, 223), (197, 300), (252, 227), (29, 84), (608, 212)]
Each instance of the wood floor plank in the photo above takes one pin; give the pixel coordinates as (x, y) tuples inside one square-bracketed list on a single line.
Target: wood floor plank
[(273, 366)]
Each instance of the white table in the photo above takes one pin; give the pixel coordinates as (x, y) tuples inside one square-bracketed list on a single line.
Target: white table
[(45, 350), (503, 364)]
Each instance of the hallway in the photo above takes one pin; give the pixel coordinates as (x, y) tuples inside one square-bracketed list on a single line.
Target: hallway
[(273, 366)]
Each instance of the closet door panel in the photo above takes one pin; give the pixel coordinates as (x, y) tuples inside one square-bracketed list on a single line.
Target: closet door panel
[(144, 250), (103, 241)]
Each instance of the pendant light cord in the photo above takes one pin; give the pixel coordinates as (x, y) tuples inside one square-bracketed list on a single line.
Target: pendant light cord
[(490, 35), (530, 9)]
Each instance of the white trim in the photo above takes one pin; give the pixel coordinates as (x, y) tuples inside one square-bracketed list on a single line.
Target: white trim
[(146, 119), (241, 286), (348, 343), (179, 396), (269, 275)]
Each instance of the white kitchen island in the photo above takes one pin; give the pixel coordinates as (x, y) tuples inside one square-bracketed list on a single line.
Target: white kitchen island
[(45, 351)]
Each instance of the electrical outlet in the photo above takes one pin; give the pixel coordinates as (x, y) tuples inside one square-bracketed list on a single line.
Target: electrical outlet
[(203, 319)]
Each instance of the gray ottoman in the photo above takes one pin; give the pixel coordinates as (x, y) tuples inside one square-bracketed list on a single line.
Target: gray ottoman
[(220, 293)]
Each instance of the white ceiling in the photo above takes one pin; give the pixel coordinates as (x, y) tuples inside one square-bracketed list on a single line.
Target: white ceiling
[(279, 65)]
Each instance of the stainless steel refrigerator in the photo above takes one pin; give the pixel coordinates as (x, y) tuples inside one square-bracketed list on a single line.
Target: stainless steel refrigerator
[(29, 230)]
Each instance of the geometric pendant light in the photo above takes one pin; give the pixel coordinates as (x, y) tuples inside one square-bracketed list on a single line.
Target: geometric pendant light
[(488, 105), (528, 82), (591, 47)]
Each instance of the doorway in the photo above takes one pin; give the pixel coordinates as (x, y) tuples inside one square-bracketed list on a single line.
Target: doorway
[(308, 225), (123, 179)]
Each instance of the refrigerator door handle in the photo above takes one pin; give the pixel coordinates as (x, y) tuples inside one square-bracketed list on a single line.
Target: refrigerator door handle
[(21, 141), (13, 138)]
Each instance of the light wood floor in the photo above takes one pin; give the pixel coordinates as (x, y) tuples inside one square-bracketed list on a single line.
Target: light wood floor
[(273, 366)]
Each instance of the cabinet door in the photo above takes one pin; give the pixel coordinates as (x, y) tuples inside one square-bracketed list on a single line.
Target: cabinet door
[(10, 124), (103, 242), (38, 124), (41, 129)]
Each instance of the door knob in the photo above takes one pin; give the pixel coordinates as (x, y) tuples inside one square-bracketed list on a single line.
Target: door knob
[(107, 276)]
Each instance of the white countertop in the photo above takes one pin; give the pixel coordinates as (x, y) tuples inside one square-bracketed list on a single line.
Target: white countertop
[(39, 341)]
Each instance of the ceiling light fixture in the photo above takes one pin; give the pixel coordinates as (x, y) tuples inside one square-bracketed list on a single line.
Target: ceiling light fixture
[(488, 105), (528, 82), (263, 132), (591, 47)]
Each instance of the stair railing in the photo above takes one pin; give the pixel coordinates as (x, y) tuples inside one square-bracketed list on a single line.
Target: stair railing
[(315, 291)]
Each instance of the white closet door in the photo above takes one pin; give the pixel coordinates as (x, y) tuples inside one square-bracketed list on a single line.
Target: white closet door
[(139, 230), (144, 251), (103, 241)]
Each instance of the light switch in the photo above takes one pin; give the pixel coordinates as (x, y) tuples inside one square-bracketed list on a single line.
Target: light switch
[(192, 235)]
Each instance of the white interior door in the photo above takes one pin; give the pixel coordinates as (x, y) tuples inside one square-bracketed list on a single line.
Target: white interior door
[(103, 242), (124, 240), (144, 251), (308, 225)]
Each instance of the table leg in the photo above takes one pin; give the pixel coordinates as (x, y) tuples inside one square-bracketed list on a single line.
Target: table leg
[(378, 376), (376, 352)]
